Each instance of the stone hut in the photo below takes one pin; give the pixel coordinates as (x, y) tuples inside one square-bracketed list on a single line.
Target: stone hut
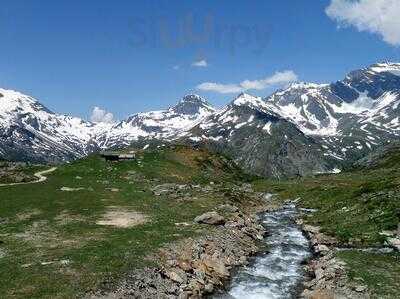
[(113, 156)]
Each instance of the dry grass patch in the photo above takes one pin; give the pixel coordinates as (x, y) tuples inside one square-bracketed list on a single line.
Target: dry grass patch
[(28, 215), (65, 218), (122, 217), (38, 234)]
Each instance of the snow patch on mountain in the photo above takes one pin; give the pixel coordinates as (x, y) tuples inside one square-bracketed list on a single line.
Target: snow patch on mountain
[(163, 124), (393, 68), (17, 108)]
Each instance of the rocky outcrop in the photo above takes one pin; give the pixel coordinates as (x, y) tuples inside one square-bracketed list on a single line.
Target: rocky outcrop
[(14, 172), (171, 189), (194, 268), (328, 273), (393, 238), (382, 157), (212, 218), (394, 242)]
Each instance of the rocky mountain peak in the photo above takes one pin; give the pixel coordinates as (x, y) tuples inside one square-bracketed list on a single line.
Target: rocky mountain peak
[(244, 95), (193, 98), (372, 81), (379, 70), (392, 67), (11, 99), (304, 86), (245, 99), (15, 105), (192, 104), (298, 93)]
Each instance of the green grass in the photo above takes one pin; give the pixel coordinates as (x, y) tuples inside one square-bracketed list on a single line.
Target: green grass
[(381, 272), (354, 206), (53, 246)]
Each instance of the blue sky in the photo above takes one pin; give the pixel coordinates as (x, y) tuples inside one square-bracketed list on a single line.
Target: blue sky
[(118, 55)]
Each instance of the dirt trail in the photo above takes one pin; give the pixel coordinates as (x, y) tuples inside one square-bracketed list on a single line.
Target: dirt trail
[(40, 178)]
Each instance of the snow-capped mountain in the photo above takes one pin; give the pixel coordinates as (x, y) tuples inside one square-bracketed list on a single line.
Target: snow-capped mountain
[(304, 128), (318, 108), (348, 117), (29, 131), (330, 124), (260, 140), (164, 124)]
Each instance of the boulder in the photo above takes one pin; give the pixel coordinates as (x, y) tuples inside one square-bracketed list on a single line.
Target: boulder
[(394, 242), (212, 218), (321, 249), (216, 266), (311, 229), (361, 288), (19, 179), (208, 288)]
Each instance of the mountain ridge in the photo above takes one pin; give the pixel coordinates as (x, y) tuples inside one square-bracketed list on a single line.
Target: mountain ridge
[(279, 135)]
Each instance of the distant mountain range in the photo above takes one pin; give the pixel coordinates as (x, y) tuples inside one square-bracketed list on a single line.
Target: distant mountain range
[(305, 128)]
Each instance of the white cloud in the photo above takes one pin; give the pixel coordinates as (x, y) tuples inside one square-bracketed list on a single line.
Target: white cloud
[(101, 116), (278, 78), (376, 16), (220, 88), (200, 63), (176, 67)]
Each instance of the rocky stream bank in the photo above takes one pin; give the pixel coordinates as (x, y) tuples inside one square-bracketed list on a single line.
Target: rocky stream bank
[(195, 267), (327, 273)]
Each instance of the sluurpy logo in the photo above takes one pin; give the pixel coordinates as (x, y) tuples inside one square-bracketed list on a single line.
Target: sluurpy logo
[(199, 33)]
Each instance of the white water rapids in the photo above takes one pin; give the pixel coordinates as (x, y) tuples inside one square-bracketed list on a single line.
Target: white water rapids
[(278, 272)]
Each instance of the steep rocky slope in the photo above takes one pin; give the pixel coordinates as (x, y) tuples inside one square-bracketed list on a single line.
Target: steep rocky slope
[(260, 140), (350, 117)]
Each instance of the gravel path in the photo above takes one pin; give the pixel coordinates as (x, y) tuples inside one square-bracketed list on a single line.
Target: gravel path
[(40, 178)]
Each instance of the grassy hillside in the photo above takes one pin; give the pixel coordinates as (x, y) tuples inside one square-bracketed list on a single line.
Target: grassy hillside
[(92, 220)]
